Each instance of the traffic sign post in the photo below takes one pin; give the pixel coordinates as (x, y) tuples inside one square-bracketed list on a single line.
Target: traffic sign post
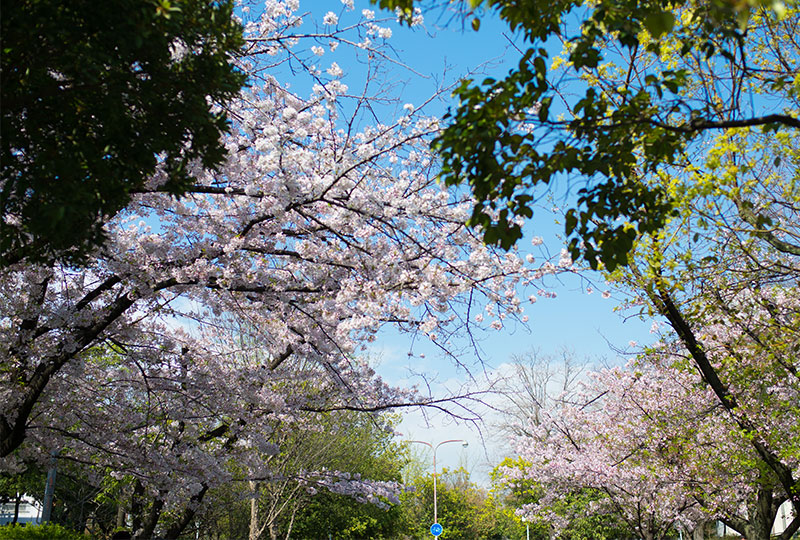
[(436, 529)]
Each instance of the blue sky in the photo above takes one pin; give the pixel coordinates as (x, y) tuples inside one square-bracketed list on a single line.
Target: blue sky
[(437, 55)]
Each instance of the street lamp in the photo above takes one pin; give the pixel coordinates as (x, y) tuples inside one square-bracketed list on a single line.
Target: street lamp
[(434, 448)]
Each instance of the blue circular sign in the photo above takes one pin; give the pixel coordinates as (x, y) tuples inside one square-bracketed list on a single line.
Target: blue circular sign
[(436, 529)]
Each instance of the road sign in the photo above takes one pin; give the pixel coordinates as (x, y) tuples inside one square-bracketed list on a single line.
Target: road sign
[(436, 529)]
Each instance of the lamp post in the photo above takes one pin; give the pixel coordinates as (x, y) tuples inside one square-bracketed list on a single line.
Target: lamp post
[(435, 448)]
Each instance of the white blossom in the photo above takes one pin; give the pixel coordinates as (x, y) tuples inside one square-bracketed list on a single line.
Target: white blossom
[(330, 19)]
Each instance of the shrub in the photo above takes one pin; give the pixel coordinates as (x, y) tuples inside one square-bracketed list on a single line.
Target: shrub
[(48, 531)]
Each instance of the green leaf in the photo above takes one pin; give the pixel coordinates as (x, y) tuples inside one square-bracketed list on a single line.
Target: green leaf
[(659, 23)]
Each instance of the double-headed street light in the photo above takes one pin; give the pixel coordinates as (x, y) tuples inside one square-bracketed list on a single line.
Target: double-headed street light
[(434, 448)]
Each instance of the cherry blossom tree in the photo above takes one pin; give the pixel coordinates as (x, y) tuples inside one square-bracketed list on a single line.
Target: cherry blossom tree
[(590, 443), (700, 445), (711, 413), (182, 427), (653, 439), (323, 226)]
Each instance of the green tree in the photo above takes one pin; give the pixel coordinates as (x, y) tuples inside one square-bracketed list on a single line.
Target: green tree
[(14, 486), (291, 503), (465, 511), (95, 97), (650, 93), (79, 503), (343, 517), (358, 444), (515, 494)]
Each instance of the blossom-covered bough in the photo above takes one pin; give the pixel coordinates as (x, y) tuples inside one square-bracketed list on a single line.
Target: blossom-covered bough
[(209, 323)]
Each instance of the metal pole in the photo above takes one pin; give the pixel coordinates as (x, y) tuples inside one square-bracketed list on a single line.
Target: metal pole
[(49, 488), (435, 513)]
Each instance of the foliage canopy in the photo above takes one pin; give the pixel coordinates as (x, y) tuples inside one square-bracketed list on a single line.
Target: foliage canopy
[(655, 80), (95, 95)]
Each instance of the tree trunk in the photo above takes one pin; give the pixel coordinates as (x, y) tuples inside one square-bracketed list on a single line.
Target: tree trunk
[(149, 524), (759, 527), (647, 535), (761, 516), (177, 527), (17, 502), (120, 520), (254, 529), (137, 508)]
